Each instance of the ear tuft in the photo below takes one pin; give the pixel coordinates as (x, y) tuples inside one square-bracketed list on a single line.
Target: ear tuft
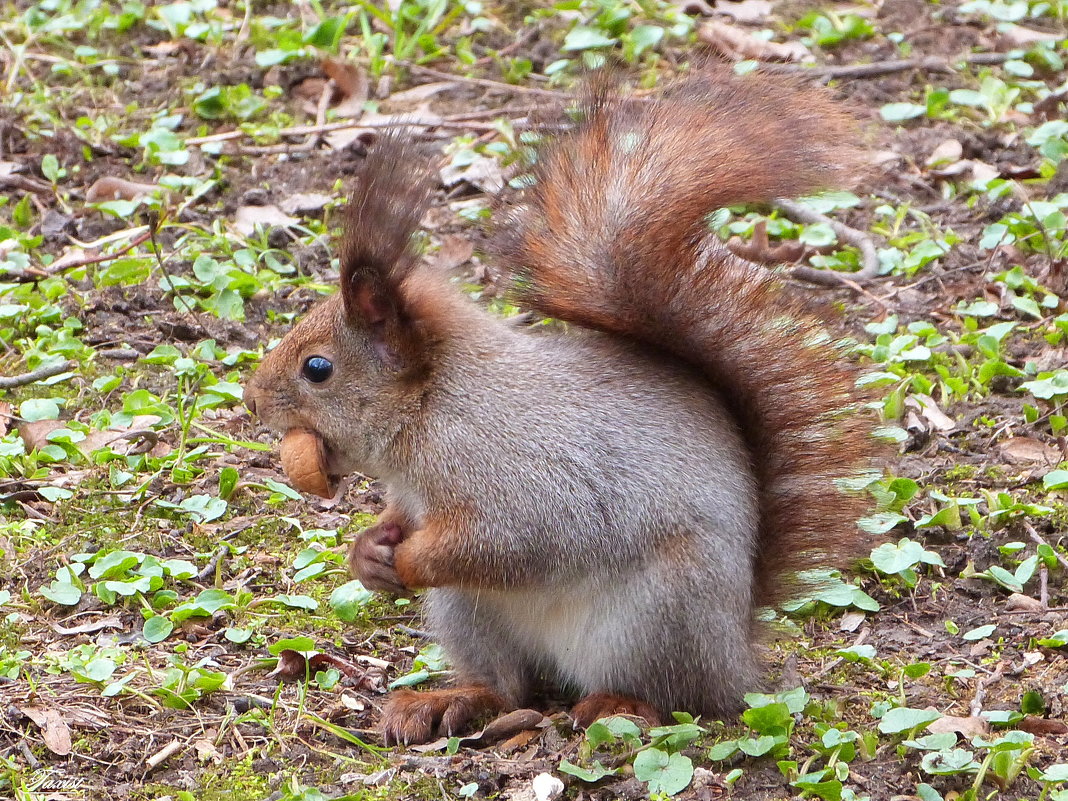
[(382, 214)]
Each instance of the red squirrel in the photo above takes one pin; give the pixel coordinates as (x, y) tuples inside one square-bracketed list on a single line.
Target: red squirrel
[(604, 507)]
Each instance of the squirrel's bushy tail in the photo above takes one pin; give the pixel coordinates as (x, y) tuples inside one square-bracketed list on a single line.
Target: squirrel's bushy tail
[(613, 235)]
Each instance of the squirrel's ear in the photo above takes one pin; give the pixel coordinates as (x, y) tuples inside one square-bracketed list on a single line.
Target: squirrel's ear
[(377, 311), (376, 254)]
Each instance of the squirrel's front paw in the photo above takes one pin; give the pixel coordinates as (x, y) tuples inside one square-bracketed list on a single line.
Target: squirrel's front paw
[(371, 558)]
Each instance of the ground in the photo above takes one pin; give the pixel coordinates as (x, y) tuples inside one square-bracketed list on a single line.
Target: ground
[(176, 621)]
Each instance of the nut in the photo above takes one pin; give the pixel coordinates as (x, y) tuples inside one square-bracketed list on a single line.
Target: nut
[(304, 460)]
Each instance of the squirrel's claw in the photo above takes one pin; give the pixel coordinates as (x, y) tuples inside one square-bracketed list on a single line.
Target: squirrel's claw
[(603, 705), (410, 717)]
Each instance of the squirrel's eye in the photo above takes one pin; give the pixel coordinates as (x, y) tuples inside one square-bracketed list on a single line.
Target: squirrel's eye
[(317, 369)]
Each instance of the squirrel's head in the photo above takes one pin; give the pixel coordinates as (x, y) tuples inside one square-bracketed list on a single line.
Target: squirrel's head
[(353, 370)]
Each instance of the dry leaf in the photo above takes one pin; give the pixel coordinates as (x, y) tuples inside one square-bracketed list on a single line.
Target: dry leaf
[(1022, 450), (54, 729), (969, 727), (454, 251), (1016, 36), (320, 661), (971, 168), (123, 439), (291, 666), (481, 171), (309, 91), (735, 43), (35, 435), (746, 10), (111, 188), (517, 741), (1042, 727), (929, 410), (1017, 602), (248, 217), (207, 752), (304, 203), (948, 151), (163, 49), (983, 172), (510, 724), (851, 621), (350, 81)]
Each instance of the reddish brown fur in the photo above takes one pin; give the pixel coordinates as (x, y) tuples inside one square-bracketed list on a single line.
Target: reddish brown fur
[(411, 717), (616, 264), (603, 705)]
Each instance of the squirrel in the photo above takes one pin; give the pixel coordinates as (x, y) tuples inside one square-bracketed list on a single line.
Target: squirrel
[(606, 506)]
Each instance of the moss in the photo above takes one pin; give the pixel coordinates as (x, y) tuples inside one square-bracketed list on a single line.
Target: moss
[(961, 472)]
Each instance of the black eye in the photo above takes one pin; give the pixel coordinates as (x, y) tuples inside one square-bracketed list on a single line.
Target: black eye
[(317, 369)]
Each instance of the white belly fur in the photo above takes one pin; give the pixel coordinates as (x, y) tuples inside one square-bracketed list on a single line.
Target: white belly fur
[(574, 629)]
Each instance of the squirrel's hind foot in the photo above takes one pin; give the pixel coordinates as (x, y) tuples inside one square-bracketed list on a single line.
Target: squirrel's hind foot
[(602, 705), (411, 717)]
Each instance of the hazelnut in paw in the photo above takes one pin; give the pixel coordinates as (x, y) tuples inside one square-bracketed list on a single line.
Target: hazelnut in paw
[(411, 717), (304, 460), (603, 705), (371, 558)]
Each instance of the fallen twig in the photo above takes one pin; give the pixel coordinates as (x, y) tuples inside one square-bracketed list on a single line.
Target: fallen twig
[(119, 354), (213, 564), (70, 265), (1044, 611), (41, 373), (453, 121), (165, 753), (1037, 538), (500, 86), (832, 72), (417, 633), (980, 689), (869, 259)]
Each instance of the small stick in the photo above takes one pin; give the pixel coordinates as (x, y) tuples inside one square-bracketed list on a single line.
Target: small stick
[(1043, 586), (119, 354), (24, 183), (213, 563), (47, 371), (489, 84), (836, 662), (980, 689), (851, 236), (31, 760), (878, 68), (324, 102), (417, 633), (163, 754), (140, 239), (1045, 611), (1036, 537)]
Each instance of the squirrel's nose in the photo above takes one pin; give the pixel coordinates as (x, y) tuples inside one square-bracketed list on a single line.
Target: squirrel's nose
[(250, 402)]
